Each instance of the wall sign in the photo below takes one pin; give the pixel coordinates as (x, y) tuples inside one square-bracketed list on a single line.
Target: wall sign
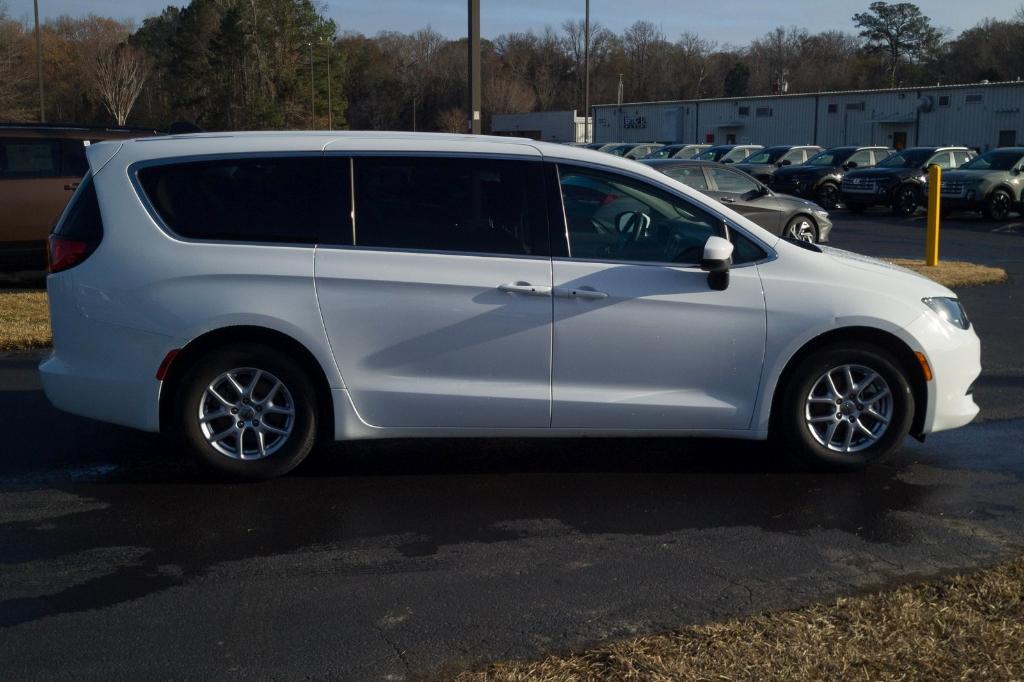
[(634, 122)]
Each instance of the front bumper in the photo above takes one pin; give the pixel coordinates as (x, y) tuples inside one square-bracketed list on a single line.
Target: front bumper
[(955, 359)]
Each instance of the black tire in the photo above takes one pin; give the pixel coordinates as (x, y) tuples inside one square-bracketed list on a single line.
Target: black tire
[(298, 395), (827, 196), (802, 228), (793, 433), (998, 205), (907, 201)]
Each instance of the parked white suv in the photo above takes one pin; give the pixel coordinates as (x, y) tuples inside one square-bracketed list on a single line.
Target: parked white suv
[(252, 292)]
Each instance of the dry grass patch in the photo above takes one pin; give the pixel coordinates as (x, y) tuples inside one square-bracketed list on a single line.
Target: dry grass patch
[(953, 273), (24, 320), (967, 627)]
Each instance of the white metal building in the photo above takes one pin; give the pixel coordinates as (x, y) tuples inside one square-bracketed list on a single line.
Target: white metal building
[(549, 126), (980, 115)]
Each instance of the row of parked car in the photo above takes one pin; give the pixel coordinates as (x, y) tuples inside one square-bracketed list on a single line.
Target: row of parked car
[(858, 177)]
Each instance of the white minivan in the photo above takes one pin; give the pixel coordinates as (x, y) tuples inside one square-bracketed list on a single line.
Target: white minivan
[(252, 292)]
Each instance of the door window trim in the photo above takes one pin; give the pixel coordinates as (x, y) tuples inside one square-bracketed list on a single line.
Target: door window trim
[(728, 224)]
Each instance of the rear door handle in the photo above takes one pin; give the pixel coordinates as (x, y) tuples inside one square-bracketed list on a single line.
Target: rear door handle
[(587, 294), (524, 288), (72, 186)]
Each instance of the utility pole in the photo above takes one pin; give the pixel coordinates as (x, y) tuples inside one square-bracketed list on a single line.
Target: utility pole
[(39, 64), (474, 66), (330, 107), (619, 100), (587, 133), (312, 96)]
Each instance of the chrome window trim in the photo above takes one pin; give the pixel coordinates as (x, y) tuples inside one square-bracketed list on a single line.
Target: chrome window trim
[(771, 253), (436, 252)]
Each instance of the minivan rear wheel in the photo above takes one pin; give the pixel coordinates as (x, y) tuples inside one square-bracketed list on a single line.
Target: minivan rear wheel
[(844, 406), (248, 411)]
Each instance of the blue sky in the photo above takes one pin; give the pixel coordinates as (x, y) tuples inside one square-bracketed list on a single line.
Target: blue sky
[(730, 21)]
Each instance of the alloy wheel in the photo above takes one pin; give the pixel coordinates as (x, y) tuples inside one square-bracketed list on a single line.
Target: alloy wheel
[(849, 408), (906, 202), (999, 206), (802, 229), (246, 413)]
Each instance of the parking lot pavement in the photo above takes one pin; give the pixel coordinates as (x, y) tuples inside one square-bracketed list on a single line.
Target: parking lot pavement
[(377, 560)]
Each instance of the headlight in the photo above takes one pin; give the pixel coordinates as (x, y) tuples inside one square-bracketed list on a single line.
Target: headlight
[(923, 179), (950, 310)]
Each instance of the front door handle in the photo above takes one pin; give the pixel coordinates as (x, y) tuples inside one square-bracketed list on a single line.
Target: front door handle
[(727, 200), (524, 288), (585, 293), (72, 186)]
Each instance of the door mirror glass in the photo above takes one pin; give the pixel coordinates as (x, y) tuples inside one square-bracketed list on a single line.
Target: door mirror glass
[(786, 162), (850, 164), (716, 260)]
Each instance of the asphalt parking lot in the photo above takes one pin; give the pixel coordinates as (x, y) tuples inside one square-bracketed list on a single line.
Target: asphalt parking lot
[(389, 559)]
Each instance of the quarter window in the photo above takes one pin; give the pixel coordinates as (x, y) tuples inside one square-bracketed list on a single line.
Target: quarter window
[(247, 199), (613, 217), (451, 204)]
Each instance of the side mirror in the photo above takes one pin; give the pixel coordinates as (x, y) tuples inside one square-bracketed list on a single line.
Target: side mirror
[(850, 164), (728, 161), (786, 162), (716, 261)]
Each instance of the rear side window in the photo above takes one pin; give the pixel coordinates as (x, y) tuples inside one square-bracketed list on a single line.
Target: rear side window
[(247, 199), (29, 158), (72, 158), (466, 205), (81, 220)]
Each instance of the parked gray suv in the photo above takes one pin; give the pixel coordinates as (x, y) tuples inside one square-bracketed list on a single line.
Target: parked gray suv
[(992, 183)]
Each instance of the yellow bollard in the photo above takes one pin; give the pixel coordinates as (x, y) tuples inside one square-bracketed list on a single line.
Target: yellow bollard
[(931, 250)]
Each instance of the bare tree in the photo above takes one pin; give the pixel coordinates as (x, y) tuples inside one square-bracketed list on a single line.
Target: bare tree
[(453, 120), (13, 69), (121, 71)]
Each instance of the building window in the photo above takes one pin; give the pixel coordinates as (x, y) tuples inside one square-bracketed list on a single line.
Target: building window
[(855, 106), (764, 112), (943, 100), (744, 111), (833, 108), (972, 99)]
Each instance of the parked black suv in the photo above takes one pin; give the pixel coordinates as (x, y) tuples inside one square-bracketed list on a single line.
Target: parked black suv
[(819, 177), (763, 164), (901, 181)]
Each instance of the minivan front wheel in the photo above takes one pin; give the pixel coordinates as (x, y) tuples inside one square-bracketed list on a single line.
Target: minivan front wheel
[(843, 407), (248, 411)]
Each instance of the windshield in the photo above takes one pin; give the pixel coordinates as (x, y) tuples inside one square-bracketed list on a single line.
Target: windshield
[(713, 154), (996, 161), (910, 158), (766, 156), (664, 152), (620, 150), (829, 157)]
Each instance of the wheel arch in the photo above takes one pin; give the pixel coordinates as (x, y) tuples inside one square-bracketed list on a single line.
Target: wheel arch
[(237, 334), (870, 335)]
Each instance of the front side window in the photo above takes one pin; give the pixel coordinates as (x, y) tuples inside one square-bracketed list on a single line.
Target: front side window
[(995, 160), (830, 157), (731, 182), (796, 156), (29, 158), (941, 160), (242, 199), (614, 217), (861, 158), (908, 158), (468, 205)]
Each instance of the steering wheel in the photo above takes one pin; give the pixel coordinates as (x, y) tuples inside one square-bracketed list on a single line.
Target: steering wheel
[(632, 225)]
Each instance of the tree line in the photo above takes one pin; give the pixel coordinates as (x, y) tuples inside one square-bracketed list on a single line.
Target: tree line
[(277, 64)]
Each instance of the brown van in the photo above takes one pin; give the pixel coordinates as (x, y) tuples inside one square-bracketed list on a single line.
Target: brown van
[(40, 166)]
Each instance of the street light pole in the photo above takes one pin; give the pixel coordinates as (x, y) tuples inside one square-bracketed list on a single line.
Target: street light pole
[(330, 107), (312, 96), (586, 77), (39, 64)]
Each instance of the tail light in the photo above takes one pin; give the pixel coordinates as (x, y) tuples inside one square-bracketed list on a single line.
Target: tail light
[(66, 253), (78, 231)]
